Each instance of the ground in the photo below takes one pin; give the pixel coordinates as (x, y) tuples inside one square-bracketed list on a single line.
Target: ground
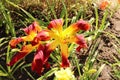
[(107, 49)]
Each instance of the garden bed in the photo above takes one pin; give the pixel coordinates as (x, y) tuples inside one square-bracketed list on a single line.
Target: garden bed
[(103, 49)]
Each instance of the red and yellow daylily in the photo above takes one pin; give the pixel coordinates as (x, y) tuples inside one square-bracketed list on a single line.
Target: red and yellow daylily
[(35, 35), (30, 31), (62, 37), (56, 36)]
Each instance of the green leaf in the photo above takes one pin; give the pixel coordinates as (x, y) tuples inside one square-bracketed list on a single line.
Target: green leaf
[(27, 13), (49, 73), (2, 73), (98, 72), (29, 74)]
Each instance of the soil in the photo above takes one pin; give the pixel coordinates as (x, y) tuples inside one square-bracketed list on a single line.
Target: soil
[(107, 49)]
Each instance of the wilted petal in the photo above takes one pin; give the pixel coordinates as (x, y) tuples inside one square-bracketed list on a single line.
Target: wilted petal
[(37, 64), (14, 42), (34, 27), (64, 53), (56, 24), (21, 54), (74, 28)]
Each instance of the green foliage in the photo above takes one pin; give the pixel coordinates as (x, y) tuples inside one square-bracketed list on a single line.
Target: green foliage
[(7, 20)]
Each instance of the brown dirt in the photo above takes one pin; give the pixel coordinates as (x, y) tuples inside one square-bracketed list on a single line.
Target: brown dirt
[(107, 49)]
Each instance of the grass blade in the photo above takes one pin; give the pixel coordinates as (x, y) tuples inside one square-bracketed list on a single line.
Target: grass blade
[(49, 73), (28, 14), (52, 9), (98, 72), (9, 25), (66, 14), (97, 18), (29, 74)]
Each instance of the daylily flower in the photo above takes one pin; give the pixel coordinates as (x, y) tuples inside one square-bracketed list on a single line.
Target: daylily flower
[(31, 32), (35, 35), (62, 37), (36, 38)]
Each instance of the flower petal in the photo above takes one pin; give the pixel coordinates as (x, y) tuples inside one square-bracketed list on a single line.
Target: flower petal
[(34, 27), (47, 65), (21, 54), (79, 39), (64, 53), (37, 64), (65, 62), (52, 45), (56, 24), (40, 59), (74, 28), (29, 37), (53, 34), (48, 49), (14, 42), (41, 36)]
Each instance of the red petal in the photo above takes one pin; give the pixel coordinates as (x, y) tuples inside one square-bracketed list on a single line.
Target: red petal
[(40, 59), (80, 47), (65, 54), (34, 27), (83, 25), (14, 42), (65, 61), (74, 28), (56, 24), (47, 52), (81, 41), (37, 64), (47, 65), (41, 36), (18, 56)]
